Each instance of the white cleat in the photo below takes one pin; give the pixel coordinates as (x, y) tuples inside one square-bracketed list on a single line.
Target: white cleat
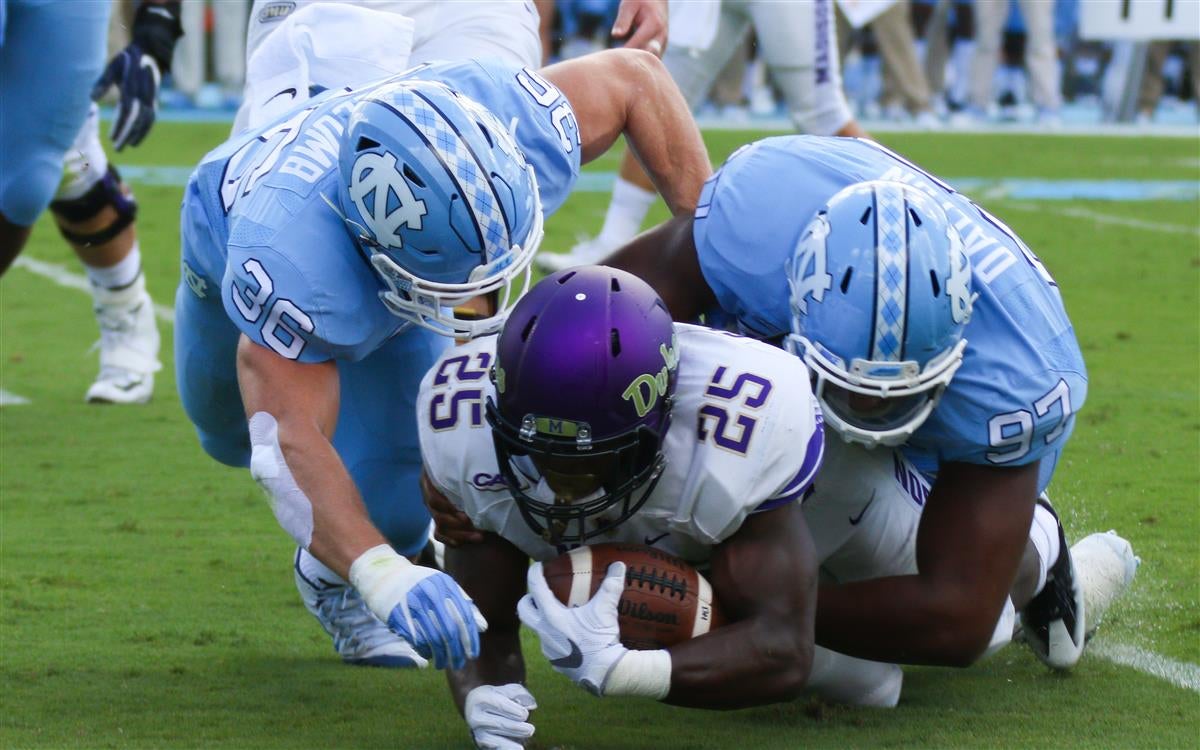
[(584, 253), (1105, 565), (129, 343), (1052, 623), (359, 637)]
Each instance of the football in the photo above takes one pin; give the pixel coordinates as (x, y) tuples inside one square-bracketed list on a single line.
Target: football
[(666, 600)]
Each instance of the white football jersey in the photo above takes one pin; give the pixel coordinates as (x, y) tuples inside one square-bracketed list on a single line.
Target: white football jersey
[(745, 435)]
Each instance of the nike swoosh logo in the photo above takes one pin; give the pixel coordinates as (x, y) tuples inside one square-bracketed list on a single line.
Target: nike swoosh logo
[(855, 519), (290, 92), (572, 660), (651, 540)]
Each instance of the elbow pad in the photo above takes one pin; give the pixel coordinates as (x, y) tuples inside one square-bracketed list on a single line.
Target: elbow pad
[(267, 465)]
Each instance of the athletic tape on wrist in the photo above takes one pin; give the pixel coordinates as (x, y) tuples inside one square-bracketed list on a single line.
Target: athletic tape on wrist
[(644, 673), (378, 576)]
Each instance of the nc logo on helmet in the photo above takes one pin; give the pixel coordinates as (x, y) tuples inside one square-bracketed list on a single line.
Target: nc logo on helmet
[(958, 283), (384, 199)]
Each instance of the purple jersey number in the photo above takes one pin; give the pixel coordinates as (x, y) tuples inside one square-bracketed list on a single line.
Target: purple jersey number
[(732, 429)]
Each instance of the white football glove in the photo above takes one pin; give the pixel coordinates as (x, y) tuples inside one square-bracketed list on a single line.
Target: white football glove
[(584, 643), (497, 716)]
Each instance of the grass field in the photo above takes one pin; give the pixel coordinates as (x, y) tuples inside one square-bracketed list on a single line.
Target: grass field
[(146, 596)]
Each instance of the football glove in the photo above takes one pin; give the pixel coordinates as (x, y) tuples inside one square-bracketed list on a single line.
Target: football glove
[(584, 643), (498, 716), (137, 71), (437, 617)]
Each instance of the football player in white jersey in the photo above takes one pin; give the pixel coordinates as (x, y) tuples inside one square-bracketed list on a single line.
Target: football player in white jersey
[(593, 418)]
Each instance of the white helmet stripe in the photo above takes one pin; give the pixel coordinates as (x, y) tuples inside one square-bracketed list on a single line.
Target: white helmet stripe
[(470, 177), (891, 274)]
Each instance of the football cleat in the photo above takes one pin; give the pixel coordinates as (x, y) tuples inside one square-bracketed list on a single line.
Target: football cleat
[(359, 637), (128, 344), (1053, 621), (585, 253), (1106, 566)]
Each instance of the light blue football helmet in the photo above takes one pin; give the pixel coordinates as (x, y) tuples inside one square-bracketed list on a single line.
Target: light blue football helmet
[(880, 295), (440, 197)]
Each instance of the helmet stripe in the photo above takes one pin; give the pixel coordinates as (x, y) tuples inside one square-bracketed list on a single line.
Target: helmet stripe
[(891, 274), (465, 170)]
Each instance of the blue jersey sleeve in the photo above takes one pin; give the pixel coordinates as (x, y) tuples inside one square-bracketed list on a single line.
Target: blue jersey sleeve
[(539, 116)]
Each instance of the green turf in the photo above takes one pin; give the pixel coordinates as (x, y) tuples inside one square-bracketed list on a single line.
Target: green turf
[(146, 596)]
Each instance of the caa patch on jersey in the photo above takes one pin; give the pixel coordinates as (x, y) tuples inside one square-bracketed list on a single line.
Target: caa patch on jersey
[(666, 600)]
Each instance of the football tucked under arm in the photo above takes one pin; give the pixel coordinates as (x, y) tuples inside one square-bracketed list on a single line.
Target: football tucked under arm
[(665, 601)]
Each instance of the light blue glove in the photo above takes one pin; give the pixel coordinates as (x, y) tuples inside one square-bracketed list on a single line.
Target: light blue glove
[(438, 618)]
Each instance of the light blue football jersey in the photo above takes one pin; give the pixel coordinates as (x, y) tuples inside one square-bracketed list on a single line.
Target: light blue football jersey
[(1022, 379), (290, 275)]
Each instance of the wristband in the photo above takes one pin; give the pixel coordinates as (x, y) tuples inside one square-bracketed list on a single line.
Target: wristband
[(377, 574), (643, 673)]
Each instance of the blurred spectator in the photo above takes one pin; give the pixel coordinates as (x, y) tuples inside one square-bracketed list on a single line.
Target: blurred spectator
[(1153, 79), (1041, 54), (905, 90), (221, 24)]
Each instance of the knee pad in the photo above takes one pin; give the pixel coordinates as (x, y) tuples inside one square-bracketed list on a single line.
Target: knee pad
[(107, 190)]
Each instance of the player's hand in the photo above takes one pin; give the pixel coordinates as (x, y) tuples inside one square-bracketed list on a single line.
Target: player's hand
[(436, 616), (644, 22), (137, 71), (498, 716), (452, 527), (584, 643)]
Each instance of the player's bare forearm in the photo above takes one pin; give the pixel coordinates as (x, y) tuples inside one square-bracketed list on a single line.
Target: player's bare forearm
[(972, 535), (764, 578), (665, 258), (492, 572), (303, 400), (629, 91)]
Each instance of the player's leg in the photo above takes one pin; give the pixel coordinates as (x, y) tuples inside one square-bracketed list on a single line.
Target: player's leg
[(474, 29), (376, 438), (51, 56), (694, 71), (95, 212), (206, 343), (798, 42)]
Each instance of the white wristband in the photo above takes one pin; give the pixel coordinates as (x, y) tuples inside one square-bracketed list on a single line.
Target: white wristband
[(644, 673), (377, 574)]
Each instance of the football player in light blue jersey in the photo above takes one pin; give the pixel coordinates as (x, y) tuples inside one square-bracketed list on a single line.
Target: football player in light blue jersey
[(51, 57), (886, 339), (323, 258)]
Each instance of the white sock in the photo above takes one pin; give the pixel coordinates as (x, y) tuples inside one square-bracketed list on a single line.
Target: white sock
[(626, 211), (124, 273), (313, 569), (1044, 535)]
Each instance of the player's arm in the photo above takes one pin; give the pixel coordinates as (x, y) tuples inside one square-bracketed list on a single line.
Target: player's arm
[(302, 399), (665, 258), (765, 579), (137, 70), (627, 91), (292, 411), (970, 541), (492, 572)]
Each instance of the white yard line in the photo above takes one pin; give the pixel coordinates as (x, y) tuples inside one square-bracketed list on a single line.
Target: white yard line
[(11, 399), (1101, 218), (61, 276), (1178, 673)]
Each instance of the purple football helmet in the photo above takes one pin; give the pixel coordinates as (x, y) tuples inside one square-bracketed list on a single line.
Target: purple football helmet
[(585, 372)]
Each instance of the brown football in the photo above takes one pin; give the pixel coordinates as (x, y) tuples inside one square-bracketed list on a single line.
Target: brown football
[(666, 600)]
